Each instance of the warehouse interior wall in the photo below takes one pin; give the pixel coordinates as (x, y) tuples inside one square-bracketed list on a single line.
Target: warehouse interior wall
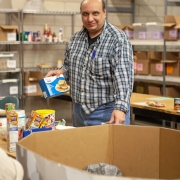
[(145, 11)]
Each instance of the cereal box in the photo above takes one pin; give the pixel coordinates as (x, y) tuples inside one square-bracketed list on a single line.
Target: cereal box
[(12, 130), (53, 86)]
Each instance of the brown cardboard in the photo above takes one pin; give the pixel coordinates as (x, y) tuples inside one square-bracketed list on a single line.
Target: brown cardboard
[(171, 23), (138, 151), (172, 64), (135, 64), (128, 29), (143, 62), (173, 92), (31, 84), (5, 29), (154, 90)]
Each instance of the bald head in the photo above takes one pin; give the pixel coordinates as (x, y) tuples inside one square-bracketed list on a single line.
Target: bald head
[(102, 1)]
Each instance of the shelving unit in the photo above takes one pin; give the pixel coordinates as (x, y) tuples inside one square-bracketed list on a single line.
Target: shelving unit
[(15, 78), (26, 43)]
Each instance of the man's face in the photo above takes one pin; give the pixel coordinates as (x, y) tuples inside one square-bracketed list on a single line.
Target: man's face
[(93, 16)]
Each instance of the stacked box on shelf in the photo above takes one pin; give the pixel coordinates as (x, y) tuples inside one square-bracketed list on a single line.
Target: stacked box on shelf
[(142, 63), (135, 64), (7, 61), (172, 26), (154, 30), (128, 29), (31, 85), (154, 89), (172, 64), (139, 31), (156, 66), (8, 33)]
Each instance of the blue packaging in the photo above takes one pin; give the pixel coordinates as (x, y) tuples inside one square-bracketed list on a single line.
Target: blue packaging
[(53, 86)]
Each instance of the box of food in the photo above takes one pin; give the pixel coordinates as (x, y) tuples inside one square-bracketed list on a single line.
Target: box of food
[(54, 86), (8, 33)]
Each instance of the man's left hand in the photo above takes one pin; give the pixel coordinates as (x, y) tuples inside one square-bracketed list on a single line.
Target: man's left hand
[(117, 117)]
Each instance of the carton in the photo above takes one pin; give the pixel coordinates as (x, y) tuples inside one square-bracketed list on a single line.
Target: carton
[(154, 90), (139, 31), (8, 33), (172, 64), (154, 30), (172, 91), (142, 63), (53, 86), (171, 25), (127, 29), (138, 151), (31, 85), (156, 66)]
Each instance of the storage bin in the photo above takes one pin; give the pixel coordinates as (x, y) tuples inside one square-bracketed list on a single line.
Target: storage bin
[(9, 87)]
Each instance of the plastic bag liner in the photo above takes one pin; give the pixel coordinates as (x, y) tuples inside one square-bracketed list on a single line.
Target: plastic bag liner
[(103, 169)]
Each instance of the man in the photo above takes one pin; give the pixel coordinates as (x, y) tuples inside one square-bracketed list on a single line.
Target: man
[(99, 65)]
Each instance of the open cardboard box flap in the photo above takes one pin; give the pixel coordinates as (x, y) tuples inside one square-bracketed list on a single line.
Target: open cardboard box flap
[(6, 27), (144, 152), (171, 20)]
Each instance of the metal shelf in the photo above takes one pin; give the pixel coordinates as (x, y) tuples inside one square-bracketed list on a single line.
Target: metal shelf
[(10, 70), (39, 69), (9, 42), (45, 43), (9, 11), (154, 42), (49, 12), (158, 79)]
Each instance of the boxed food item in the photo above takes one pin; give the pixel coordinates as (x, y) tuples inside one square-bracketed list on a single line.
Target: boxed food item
[(8, 33), (140, 152), (12, 130), (53, 86), (31, 85)]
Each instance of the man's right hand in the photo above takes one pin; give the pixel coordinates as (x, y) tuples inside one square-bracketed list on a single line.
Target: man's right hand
[(55, 73)]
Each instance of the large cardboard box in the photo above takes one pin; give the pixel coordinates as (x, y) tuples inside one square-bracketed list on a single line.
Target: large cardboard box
[(8, 33), (154, 90), (138, 151), (171, 25), (31, 85)]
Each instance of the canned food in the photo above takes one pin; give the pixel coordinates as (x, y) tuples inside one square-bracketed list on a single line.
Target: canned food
[(9, 106), (176, 103)]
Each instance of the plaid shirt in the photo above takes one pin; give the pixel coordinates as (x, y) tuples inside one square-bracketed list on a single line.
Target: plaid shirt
[(102, 72)]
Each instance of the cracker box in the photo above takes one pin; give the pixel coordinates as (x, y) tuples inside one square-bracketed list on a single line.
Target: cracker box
[(12, 130), (53, 86)]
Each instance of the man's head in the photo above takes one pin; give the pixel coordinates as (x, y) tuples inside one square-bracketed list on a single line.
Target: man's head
[(93, 13)]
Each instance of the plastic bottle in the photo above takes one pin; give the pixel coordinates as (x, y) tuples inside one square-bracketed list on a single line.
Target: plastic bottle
[(45, 34), (60, 35), (50, 35)]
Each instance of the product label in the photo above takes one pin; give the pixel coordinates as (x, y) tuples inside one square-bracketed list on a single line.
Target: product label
[(169, 69), (139, 67), (173, 33), (11, 36), (13, 90), (159, 67), (158, 35), (30, 89), (129, 33), (142, 35), (11, 63)]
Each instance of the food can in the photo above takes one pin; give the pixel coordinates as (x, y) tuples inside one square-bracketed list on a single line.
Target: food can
[(9, 106), (176, 103)]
